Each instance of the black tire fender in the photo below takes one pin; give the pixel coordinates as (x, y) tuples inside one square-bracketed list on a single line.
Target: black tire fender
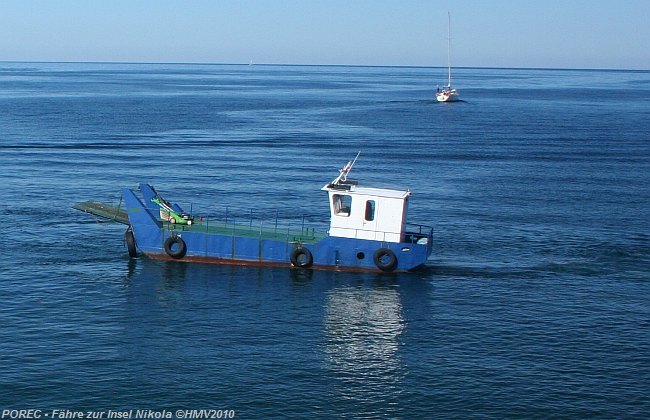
[(181, 249), (129, 240), (301, 257), (385, 259)]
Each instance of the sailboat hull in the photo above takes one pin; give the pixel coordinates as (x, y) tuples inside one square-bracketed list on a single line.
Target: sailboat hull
[(447, 96)]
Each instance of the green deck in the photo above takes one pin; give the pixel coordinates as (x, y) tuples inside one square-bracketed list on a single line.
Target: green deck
[(247, 230)]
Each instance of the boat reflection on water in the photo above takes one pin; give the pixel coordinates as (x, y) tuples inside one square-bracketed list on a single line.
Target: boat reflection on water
[(363, 326), (340, 335)]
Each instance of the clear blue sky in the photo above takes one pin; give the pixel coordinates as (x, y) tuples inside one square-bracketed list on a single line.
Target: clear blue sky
[(485, 33)]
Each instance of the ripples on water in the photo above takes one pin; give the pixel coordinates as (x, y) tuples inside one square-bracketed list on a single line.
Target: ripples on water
[(533, 304)]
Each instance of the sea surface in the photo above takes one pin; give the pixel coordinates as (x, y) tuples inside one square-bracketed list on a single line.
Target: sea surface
[(534, 304)]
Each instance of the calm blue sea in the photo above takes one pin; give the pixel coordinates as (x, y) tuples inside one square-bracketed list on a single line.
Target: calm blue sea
[(535, 302)]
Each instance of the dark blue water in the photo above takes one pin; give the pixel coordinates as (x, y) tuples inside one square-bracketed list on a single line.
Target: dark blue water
[(534, 303)]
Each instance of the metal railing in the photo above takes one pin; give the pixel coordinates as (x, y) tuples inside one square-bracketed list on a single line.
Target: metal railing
[(275, 229)]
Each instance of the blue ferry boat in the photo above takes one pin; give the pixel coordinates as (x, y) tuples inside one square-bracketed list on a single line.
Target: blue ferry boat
[(367, 232)]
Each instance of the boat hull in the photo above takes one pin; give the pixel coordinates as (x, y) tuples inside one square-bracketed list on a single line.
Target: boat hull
[(328, 253), (447, 96), (201, 242)]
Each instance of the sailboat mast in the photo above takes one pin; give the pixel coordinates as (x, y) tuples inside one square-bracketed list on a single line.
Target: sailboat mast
[(449, 46)]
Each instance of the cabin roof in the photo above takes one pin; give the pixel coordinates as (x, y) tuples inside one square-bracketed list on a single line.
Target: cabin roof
[(377, 192)]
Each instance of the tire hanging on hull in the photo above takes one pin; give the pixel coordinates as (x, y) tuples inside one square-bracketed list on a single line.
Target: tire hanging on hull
[(129, 240), (301, 257), (385, 259), (175, 247)]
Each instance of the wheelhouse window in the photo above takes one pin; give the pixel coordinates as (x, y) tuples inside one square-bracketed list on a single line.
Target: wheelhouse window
[(370, 210), (342, 204)]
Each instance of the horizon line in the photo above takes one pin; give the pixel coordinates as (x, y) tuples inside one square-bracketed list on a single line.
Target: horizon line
[(198, 63)]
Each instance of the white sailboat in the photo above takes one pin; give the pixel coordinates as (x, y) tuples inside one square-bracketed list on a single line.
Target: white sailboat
[(447, 93)]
